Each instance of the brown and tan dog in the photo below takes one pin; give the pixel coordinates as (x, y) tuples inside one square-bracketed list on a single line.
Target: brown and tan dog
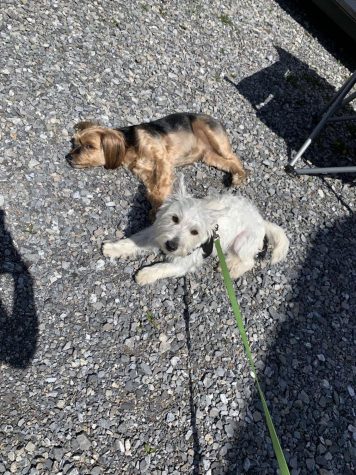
[(152, 150)]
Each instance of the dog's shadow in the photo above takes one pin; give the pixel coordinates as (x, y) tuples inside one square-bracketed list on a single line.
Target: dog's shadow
[(138, 216), (18, 318), (308, 375), (288, 97)]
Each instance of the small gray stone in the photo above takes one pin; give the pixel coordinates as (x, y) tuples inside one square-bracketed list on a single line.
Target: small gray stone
[(230, 430), (170, 417), (247, 464), (73, 471), (310, 463), (146, 369), (83, 441), (257, 416), (304, 397), (96, 471), (30, 447), (351, 390), (58, 453)]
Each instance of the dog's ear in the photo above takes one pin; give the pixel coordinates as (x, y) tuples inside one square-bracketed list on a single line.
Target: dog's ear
[(84, 125), (179, 188), (113, 144)]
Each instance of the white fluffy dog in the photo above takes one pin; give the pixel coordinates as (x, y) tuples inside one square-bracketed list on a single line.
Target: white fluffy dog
[(184, 231)]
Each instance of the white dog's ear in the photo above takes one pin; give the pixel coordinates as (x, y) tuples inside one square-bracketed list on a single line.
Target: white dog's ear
[(179, 188)]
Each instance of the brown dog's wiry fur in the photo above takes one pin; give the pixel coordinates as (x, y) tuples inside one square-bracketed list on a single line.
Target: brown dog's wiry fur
[(152, 150)]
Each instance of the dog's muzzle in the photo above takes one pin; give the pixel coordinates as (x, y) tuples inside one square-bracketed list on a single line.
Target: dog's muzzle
[(70, 158), (171, 245)]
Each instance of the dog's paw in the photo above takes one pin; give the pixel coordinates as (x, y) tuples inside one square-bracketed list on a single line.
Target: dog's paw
[(145, 276), (109, 248), (238, 178), (124, 248), (235, 273), (234, 266)]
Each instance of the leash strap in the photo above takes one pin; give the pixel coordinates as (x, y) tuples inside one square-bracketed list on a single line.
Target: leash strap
[(282, 464)]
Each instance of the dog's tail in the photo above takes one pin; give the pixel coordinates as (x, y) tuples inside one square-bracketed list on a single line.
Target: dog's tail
[(278, 240)]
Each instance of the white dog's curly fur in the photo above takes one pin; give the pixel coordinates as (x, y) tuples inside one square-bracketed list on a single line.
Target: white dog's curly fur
[(183, 227)]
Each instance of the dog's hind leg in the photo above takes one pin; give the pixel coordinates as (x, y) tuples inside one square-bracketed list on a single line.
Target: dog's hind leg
[(135, 244), (241, 254), (227, 165), (219, 154), (237, 267)]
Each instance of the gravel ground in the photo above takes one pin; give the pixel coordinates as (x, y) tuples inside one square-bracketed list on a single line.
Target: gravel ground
[(100, 376)]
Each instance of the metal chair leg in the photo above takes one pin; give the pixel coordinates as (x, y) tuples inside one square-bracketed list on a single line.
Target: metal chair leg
[(337, 101)]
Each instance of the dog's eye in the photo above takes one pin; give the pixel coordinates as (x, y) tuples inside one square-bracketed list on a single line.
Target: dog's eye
[(88, 146), (175, 219), (194, 232)]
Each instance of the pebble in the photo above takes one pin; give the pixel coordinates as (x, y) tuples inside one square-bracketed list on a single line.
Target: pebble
[(351, 391), (83, 442), (30, 447)]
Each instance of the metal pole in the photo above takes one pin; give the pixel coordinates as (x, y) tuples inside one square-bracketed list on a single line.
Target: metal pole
[(334, 105), (349, 99), (324, 171), (342, 118), (340, 91)]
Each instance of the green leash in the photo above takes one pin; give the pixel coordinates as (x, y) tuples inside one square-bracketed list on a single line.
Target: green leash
[(283, 467)]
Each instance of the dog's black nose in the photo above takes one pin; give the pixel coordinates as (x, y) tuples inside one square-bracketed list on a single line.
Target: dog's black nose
[(171, 245), (69, 159)]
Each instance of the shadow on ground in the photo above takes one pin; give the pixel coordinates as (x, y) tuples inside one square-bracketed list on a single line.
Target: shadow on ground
[(309, 372), (138, 216), (18, 319), (288, 97), (324, 29)]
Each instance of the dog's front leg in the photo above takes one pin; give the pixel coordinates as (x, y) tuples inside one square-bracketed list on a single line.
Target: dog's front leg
[(159, 187), (177, 268), (135, 244)]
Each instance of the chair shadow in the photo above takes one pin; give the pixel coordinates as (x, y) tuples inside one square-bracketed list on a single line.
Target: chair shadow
[(18, 327), (309, 373), (288, 97)]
